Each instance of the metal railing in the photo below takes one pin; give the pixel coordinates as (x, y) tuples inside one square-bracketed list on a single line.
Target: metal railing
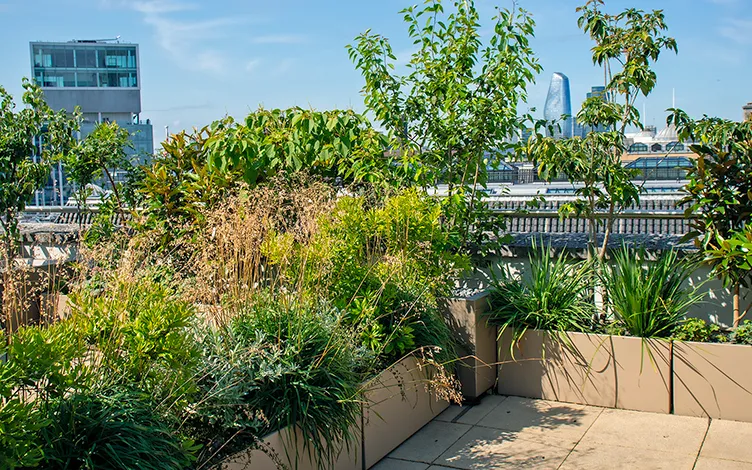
[(654, 215)]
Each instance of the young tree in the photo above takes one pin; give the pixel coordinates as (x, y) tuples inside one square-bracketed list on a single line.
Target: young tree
[(626, 46), (719, 194), (93, 158), (454, 112)]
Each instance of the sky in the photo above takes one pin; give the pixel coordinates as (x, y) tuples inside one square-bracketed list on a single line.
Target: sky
[(201, 60)]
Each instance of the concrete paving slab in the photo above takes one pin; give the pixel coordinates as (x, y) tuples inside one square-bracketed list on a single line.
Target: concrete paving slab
[(394, 464), (475, 413), (728, 440), (430, 442), (706, 463), (451, 413), (490, 449), (651, 431), (561, 424), (597, 457)]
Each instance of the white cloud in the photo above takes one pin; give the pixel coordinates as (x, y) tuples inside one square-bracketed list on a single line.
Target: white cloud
[(282, 67), (186, 40), (252, 65), (161, 6), (737, 30)]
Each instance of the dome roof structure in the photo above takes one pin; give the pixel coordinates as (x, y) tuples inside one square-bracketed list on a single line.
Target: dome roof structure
[(667, 135)]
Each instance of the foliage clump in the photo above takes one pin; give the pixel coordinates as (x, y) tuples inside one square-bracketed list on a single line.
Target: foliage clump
[(743, 333), (555, 295)]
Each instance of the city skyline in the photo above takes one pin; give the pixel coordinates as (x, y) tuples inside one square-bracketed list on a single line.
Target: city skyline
[(200, 61)]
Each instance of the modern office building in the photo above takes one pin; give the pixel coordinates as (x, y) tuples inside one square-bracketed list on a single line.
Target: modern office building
[(102, 77), (558, 104)]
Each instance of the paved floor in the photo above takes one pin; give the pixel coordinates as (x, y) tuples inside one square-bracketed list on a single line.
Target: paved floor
[(510, 432)]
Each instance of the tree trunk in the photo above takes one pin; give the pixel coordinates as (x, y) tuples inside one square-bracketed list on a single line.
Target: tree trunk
[(737, 316)]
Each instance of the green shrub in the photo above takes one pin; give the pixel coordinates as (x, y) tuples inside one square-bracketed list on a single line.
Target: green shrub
[(141, 328), (19, 421), (696, 329), (384, 261), (555, 295), (304, 369), (743, 333), (648, 301), (19, 434), (113, 430)]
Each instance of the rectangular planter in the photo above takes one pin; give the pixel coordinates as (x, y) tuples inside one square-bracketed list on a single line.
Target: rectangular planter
[(466, 317), (589, 369), (713, 380), (396, 405)]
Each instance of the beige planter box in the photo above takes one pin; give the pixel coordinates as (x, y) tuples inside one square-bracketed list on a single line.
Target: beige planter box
[(588, 369), (713, 380), (282, 447), (477, 368), (397, 405)]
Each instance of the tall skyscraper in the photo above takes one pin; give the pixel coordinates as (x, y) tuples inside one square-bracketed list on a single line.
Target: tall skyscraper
[(103, 78), (558, 104)]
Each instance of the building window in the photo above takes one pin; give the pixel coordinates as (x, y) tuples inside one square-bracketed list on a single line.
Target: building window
[(117, 58), (656, 148), (87, 79), (86, 58), (55, 79), (118, 80), (42, 57), (674, 147), (638, 148)]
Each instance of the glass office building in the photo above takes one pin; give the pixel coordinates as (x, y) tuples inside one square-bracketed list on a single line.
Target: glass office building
[(559, 104), (102, 78), (85, 65)]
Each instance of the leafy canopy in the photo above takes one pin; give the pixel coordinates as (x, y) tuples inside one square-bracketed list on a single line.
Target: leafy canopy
[(452, 114), (719, 194)]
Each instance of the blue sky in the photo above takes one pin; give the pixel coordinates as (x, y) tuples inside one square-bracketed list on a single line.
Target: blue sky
[(203, 59)]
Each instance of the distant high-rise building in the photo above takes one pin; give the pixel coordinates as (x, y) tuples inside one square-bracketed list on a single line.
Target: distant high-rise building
[(582, 130), (747, 111), (558, 104), (101, 77), (596, 91)]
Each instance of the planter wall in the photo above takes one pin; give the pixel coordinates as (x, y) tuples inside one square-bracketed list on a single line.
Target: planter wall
[(396, 405), (291, 452), (465, 316), (599, 370), (713, 380)]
